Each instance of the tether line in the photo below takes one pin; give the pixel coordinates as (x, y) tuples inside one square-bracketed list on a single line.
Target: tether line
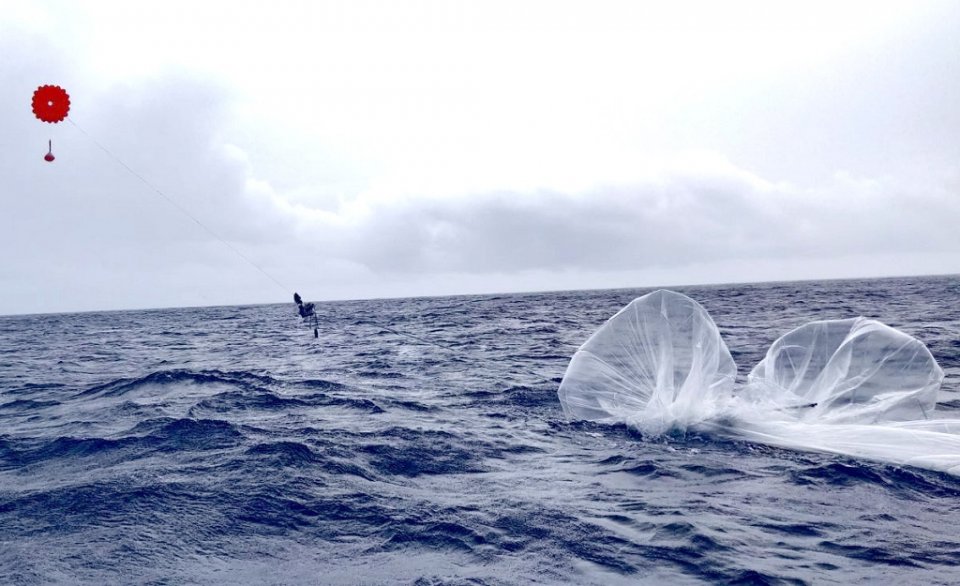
[(177, 205), (235, 250)]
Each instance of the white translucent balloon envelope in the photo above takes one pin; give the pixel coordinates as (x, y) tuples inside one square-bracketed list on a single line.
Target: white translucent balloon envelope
[(657, 363), (853, 386), (849, 371)]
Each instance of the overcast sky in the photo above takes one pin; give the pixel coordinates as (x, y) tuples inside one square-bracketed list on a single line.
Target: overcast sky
[(378, 149)]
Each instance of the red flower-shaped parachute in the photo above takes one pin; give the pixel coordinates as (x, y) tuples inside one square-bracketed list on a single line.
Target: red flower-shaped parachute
[(51, 103)]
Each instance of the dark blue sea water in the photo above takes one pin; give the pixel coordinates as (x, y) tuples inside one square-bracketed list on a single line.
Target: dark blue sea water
[(227, 445)]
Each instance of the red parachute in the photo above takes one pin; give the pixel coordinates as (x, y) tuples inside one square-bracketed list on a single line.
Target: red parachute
[(51, 104)]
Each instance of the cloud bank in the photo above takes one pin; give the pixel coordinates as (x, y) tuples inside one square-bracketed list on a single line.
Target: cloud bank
[(555, 194)]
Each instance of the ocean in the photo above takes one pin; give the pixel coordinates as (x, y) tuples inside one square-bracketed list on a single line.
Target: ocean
[(421, 441)]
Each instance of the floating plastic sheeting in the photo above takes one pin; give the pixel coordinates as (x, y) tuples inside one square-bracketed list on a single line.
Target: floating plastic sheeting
[(932, 444), (657, 363), (849, 371), (854, 387)]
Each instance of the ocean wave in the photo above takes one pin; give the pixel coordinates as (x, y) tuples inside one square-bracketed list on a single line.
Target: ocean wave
[(190, 447)]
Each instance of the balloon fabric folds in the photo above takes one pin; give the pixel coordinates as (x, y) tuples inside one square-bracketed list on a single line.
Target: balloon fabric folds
[(657, 363), (849, 371), (854, 386)]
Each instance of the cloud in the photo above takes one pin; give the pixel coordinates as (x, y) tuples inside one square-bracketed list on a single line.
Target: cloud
[(700, 209), (84, 232), (464, 177)]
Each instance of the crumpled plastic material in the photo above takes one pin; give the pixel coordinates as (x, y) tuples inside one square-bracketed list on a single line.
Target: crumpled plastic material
[(657, 363), (849, 371), (854, 386)]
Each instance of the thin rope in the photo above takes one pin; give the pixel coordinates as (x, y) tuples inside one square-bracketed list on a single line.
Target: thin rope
[(236, 251), (419, 339), (182, 209)]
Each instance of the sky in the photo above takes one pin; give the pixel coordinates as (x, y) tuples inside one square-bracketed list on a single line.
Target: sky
[(222, 153)]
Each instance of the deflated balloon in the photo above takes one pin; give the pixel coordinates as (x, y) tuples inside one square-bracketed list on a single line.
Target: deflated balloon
[(853, 386), (849, 371), (658, 362)]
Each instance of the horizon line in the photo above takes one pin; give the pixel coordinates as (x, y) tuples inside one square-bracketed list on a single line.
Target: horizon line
[(447, 295)]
